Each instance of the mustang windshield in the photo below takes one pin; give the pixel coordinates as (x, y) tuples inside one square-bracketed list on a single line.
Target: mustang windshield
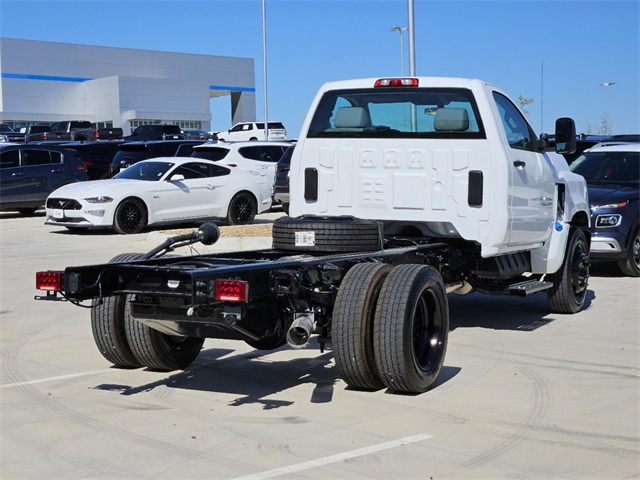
[(149, 171)]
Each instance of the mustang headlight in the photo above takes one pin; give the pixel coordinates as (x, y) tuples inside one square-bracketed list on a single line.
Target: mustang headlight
[(99, 199)]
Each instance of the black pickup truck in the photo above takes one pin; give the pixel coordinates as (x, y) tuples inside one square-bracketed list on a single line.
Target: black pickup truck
[(156, 132), (77, 130)]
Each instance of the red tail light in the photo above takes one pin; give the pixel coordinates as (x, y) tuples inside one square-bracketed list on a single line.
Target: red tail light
[(96, 134), (50, 280), (396, 82), (232, 290), (44, 136), (82, 168)]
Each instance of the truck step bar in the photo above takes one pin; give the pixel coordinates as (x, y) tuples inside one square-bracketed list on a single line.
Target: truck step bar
[(523, 289)]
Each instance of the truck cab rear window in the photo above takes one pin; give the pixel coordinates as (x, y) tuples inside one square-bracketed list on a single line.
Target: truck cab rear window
[(397, 113)]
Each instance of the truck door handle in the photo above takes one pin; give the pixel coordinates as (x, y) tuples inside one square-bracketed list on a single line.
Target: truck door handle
[(519, 164), (17, 174), (56, 170)]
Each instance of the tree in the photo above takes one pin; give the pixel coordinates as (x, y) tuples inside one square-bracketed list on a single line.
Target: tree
[(523, 102)]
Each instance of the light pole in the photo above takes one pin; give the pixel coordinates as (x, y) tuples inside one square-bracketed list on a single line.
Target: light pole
[(609, 122), (400, 29), (264, 67)]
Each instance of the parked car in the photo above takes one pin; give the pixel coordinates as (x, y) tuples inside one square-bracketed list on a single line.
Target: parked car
[(244, 155), (199, 135), (612, 173), (161, 191), (253, 131), (8, 134), (97, 156), (281, 184), (159, 131), (29, 173), (132, 152)]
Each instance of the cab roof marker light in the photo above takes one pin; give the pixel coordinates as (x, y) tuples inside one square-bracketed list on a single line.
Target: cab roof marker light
[(396, 82)]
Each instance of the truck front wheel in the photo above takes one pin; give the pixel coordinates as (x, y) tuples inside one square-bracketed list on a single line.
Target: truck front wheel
[(107, 324), (352, 325), (569, 289), (411, 328)]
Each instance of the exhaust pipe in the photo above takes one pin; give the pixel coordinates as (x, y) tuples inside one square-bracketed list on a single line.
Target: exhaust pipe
[(300, 331)]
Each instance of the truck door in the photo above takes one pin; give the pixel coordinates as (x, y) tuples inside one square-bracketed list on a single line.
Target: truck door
[(531, 188), (194, 197), (44, 170), (12, 177)]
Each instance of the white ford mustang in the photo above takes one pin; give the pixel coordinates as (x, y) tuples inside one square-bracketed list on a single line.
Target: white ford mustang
[(160, 191)]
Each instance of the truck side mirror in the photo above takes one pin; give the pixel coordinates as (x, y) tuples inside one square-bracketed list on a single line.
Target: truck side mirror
[(565, 135)]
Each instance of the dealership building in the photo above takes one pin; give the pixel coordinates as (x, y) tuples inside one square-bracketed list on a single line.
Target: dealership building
[(46, 82)]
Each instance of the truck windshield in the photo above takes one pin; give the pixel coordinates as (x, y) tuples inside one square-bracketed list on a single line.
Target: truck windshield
[(397, 113), (620, 168)]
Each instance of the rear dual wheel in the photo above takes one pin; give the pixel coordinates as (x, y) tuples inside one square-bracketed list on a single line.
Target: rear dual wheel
[(125, 342), (390, 327), (352, 325)]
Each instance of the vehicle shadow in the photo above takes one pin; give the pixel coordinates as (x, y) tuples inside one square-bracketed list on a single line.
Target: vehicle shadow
[(12, 215), (504, 312), (254, 378), (251, 377), (169, 230), (606, 269)]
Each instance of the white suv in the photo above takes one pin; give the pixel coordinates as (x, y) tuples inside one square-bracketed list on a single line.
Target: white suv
[(253, 131), (261, 157)]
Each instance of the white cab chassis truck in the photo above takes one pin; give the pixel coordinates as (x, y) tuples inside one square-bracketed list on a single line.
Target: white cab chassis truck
[(402, 190)]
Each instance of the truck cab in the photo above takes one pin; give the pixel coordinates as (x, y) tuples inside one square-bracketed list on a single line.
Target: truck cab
[(441, 158)]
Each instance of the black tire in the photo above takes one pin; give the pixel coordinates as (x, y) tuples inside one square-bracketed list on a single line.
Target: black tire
[(411, 328), (630, 265), (330, 234), (27, 211), (159, 351), (107, 325), (130, 216), (569, 290), (242, 209), (352, 325)]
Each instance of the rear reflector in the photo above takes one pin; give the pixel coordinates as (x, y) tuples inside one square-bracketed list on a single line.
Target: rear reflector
[(232, 290), (50, 280), (396, 82)]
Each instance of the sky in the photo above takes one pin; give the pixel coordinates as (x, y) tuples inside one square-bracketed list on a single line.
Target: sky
[(556, 53)]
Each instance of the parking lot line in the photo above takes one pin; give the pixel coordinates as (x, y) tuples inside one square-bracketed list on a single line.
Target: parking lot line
[(52, 379), (335, 458)]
